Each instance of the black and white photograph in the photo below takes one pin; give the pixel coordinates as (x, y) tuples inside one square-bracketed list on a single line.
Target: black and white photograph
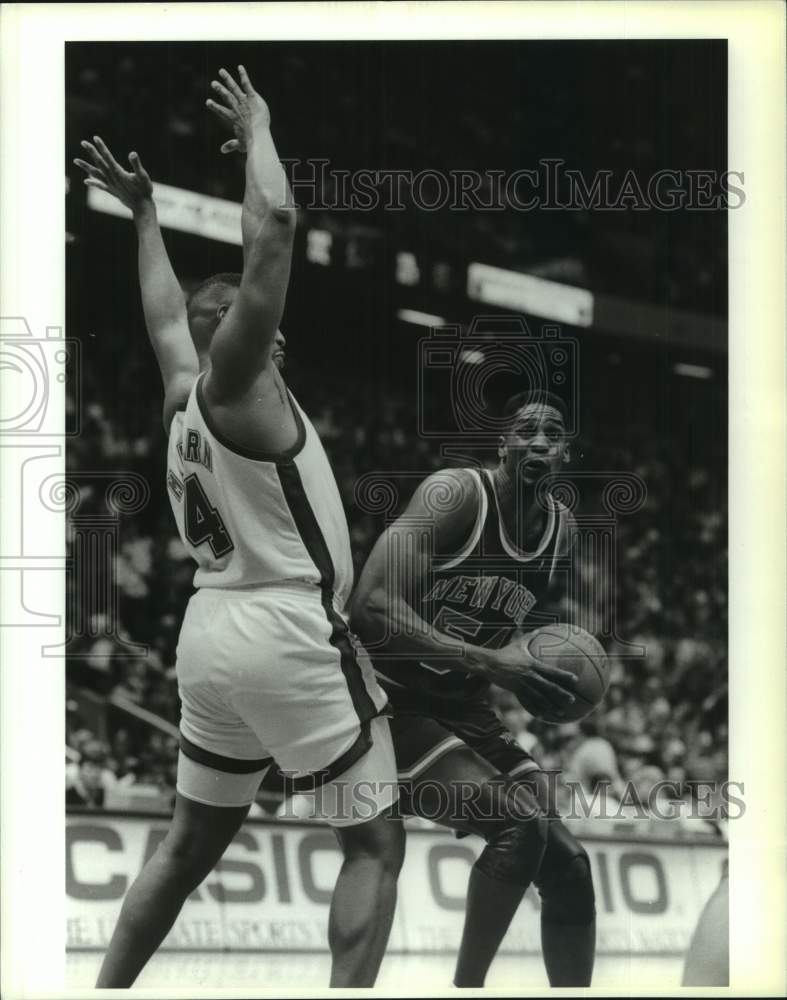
[(398, 407)]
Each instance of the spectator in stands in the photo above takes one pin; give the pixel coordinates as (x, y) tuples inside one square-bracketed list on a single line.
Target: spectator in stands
[(594, 761), (122, 762), (87, 782)]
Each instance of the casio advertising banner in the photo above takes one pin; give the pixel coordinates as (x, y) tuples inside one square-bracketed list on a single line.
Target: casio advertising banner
[(272, 889)]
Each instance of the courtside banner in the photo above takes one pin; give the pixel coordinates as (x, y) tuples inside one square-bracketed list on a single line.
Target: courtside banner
[(272, 889)]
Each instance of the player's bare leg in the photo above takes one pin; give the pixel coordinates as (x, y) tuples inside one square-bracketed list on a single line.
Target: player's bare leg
[(364, 898), (507, 816), (198, 836)]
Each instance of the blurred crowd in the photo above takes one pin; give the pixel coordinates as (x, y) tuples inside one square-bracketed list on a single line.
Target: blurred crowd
[(579, 104), (664, 717), (664, 608)]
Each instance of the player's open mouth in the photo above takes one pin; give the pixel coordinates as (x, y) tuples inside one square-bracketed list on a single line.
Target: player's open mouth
[(536, 465)]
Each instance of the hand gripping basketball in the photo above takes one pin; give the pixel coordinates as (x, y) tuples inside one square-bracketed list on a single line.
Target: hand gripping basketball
[(571, 650), (543, 688)]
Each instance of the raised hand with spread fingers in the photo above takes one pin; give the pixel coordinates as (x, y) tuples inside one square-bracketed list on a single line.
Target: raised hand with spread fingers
[(241, 109), (133, 188), (163, 301)]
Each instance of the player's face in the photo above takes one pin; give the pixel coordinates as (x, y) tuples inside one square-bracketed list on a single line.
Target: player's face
[(90, 772), (536, 443)]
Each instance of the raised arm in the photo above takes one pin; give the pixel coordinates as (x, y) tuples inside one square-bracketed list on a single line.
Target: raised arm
[(243, 107), (397, 576), (241, 346), (163, 301)]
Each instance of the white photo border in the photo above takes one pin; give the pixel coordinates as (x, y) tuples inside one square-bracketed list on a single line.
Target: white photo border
[(32, 285)]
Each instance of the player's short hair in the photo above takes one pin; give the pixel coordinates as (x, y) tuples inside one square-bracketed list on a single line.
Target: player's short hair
[(226, 279), (540, 396)]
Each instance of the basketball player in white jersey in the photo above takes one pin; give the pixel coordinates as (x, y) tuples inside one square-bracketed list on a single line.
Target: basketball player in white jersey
[(442, 604), (267, 667)]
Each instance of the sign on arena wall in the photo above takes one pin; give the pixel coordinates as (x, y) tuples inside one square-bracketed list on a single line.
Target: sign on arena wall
[(272, 889)]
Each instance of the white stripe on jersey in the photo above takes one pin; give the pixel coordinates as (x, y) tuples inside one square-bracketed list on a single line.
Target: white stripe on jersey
[(478, 528), (232, 513), (506, 542)]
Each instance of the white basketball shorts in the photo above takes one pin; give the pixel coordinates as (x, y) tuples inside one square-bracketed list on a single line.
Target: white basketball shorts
[(273, 674)]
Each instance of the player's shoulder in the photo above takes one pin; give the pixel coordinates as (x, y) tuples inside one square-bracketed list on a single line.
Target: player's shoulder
[(450, 490), (566, 515), (450, 498), (566, 524), (569, 521), (564, 512)]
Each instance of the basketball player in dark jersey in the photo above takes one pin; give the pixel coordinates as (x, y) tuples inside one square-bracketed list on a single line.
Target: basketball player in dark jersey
[(442, 605)]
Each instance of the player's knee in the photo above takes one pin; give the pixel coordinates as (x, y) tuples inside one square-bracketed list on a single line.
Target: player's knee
[(566, 888), (186, 859), (513, 851), (392, 848), (382, 839)]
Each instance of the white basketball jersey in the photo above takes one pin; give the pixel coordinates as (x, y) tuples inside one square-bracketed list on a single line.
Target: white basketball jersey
[(250, 518)]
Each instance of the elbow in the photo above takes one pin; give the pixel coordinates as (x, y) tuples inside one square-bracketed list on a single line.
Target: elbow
[(277, 221), (368, 614), (285, 217), (274, 235)]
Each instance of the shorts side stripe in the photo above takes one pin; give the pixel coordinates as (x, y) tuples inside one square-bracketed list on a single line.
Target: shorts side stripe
[(361, 746), (311, 534), (448, 744), (363, 702), (231, 765), (526, 765)]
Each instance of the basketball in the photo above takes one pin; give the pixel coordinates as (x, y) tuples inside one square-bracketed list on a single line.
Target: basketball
[(572, 649)]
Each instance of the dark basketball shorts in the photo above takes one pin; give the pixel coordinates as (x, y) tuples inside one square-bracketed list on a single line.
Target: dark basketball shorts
[(426, 729)]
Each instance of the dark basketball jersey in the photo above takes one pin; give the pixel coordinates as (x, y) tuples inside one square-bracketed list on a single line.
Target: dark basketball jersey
[(483, 595)]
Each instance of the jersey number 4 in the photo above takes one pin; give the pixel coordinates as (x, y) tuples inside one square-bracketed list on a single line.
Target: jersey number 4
[(203, 521)]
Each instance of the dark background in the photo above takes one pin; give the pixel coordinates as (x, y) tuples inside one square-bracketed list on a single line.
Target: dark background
[(618, 106)]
